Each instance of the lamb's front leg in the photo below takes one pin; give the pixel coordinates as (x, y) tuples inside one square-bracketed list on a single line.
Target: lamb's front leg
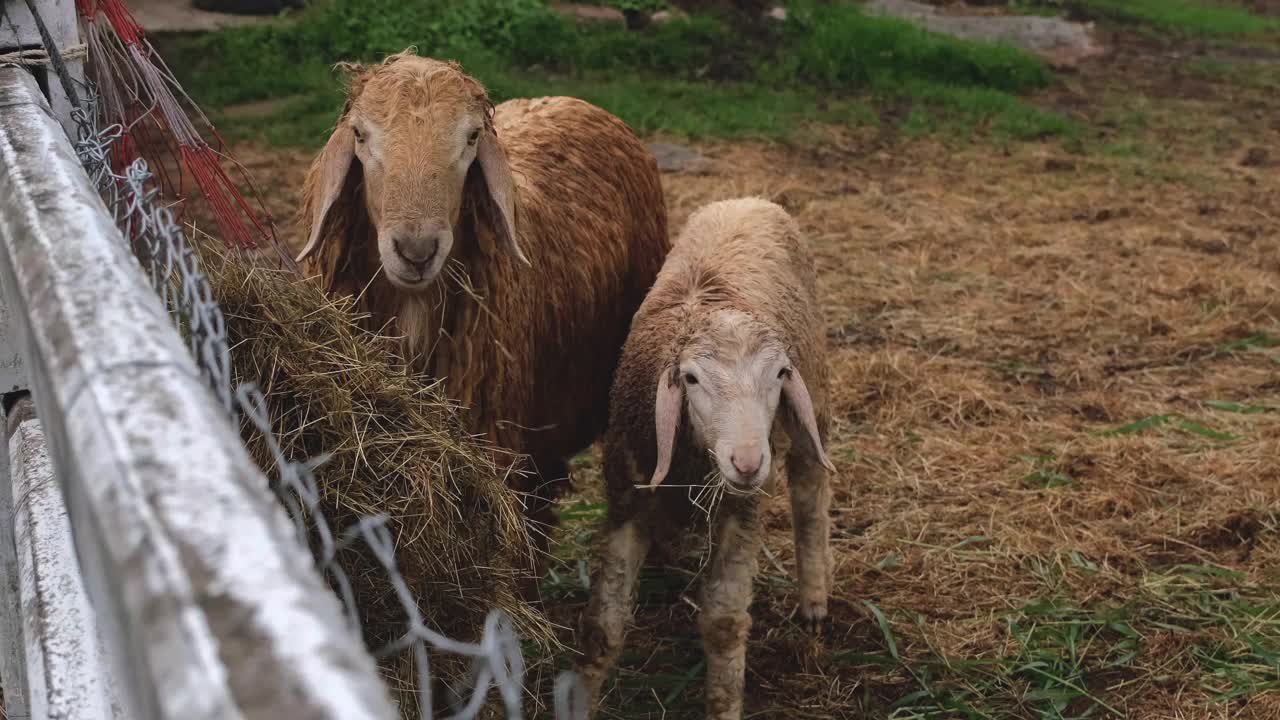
[(810, 489), (726, 597)]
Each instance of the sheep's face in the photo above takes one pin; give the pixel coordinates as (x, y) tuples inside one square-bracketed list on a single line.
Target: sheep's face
[(419, 134), (415, 158), (729, 379)]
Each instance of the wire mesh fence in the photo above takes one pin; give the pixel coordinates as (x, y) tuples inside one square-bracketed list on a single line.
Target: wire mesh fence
[(166, 253)]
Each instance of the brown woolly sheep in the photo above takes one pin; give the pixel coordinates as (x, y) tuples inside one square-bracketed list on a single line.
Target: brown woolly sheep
[(508, 246), (730, 329)]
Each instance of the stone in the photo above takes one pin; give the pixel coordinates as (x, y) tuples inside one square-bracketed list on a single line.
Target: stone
[(677, 158), (666, 16), (590, 13), (1062, 43)]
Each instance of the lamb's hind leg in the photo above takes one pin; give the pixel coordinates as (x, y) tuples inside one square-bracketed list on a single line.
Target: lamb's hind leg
[(810, 488), (605, 620), (726, 596)]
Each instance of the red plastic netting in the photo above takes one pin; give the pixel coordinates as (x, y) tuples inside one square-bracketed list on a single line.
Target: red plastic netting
[(164, 126)]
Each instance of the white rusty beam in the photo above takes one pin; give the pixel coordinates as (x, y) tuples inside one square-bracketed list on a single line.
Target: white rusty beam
[(67, 677), (13, 663), (12, 375), (202, 592)]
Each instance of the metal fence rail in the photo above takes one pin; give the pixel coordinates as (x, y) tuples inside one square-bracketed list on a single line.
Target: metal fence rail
[(66, 675), (215, 610)]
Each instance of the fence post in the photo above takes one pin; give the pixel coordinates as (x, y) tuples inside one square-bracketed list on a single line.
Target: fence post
[(19, 32)]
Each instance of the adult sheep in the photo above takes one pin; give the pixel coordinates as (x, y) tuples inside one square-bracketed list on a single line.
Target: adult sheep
[(509, 247)]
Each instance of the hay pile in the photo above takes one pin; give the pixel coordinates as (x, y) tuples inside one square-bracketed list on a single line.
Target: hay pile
[(396, 446)]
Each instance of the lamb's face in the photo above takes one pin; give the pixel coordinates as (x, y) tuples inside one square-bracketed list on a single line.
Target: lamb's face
[(729, 379), (732, 375)]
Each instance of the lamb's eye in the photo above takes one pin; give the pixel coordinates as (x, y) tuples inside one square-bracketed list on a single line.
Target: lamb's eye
[(473, 137), (359, 135), (690, 379), (783, 373)]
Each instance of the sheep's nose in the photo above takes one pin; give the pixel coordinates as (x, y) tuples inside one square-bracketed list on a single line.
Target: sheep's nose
[(747, 462), (416, 252)]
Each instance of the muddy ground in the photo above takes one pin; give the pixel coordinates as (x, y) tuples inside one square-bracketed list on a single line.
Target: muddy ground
[(1057, 403)]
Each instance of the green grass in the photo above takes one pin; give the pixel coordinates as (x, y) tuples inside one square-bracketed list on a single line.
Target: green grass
[(1205, 624), (1253, 75), (1204, 18), (1043, 475), (695, 78), (1123, 149), (649, 6), (838, 46), (1171, 421), (694, 110)]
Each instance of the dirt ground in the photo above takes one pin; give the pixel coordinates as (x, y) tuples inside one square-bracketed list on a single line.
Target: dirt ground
[(1057, 403)]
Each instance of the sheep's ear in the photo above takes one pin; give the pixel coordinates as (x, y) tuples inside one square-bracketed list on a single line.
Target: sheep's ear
[(797, 395), (666, 416), (324, 182), (501, 187)]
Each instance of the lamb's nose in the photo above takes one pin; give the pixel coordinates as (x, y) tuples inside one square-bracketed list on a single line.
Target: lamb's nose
[(747, 463)]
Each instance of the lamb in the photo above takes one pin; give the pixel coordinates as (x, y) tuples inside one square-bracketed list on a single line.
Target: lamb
[(509, 247), (730, 330)]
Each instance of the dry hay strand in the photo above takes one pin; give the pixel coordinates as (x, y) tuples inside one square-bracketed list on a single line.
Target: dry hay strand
[(395, 446)]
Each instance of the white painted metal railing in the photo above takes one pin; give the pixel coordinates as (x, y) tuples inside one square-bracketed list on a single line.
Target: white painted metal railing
[(67, 676)]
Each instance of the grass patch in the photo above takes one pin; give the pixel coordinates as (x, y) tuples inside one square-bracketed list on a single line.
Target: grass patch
[(1173, 421), (569, 576), (1253, 75), (959, 111), (1044, 474), (1123, 149), (1183, 17), (690, 77), (649, 6), (838, 46), (690, 109), (1068, 661), (1233, 407)]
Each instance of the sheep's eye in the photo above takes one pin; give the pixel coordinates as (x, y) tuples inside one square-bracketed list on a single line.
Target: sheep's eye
[(359, 135), (690, 379), (783, 373), (473, 137)]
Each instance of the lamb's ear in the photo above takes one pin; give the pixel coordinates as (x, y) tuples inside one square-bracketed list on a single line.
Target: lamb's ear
[(797, 395), (324, 183), (501, 187), (666, 418)]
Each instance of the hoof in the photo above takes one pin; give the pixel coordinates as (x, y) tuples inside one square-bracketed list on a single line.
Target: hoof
[(813, 615)]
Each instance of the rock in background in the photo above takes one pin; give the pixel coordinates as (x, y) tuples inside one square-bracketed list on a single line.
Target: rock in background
[(1062, 43)]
